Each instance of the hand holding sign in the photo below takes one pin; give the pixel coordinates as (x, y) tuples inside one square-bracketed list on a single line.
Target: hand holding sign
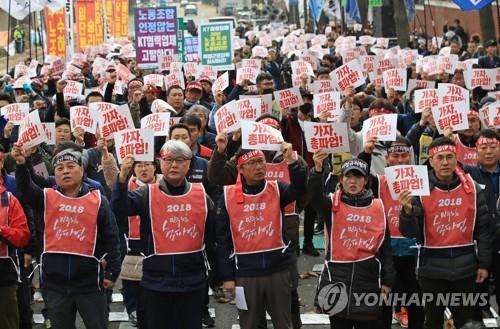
[(332, 137), (407, 178), (259, 136), (384, 127), (138, 143)]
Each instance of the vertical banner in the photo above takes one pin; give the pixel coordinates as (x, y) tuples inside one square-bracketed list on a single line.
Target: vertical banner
[(180, 39), (99, 22), (216, 45), (56, 32), (191, 49), (110, 17), (85, 17), (156, 34), (120, 19)]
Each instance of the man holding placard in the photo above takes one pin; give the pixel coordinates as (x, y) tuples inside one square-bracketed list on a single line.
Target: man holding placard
[(78, 231), (403, 251), (251, 226), (452, 226)]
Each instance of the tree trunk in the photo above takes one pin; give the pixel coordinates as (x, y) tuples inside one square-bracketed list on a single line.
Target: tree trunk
[(401, 23), (363, 12), (487, 23)]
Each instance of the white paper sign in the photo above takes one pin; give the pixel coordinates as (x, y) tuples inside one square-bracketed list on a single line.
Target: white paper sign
[(424, 98), (154, 80), (495, 95), (221, 83), (452, 115), (251, 62), (447, 63), (348, 75), (484, 78), (490, 115), (266, 104), (384, 127), (113, 120), (450, 93), (395, 79), (159, 106), (407, 178), (288, 98), (136, 142), (249, 108), (72, 90), (31, 132), (247, 73), (423, 84), (300, 67), (15, 112), (50, 132), (84, 117), (227, 118), (174, 79), (259, 136), (321, 86), (331, 137), (159, 123), (327, 102)]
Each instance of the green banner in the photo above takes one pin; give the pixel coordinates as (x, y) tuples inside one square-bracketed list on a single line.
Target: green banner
[(216, 45), (375, 3), (180, 38)]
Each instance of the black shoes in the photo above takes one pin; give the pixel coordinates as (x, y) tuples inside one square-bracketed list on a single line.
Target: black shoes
[(309, 249), (207, 320)]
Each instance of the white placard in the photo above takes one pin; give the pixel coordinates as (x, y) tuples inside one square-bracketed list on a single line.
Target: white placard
[(407, 178), (331, 137), (259, 136), (136, 142), (383, 126), (159, 123), (15, 112)]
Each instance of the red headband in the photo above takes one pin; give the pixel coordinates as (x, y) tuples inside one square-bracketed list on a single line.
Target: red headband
[(250, 155), (442, 148), (473, 114), (270, 122), (485, 140), (381, 110)]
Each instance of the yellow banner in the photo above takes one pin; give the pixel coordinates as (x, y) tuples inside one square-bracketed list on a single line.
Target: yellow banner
[(56, 32)]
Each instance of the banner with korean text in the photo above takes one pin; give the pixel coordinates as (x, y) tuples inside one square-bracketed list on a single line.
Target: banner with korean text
[(56, 32), (156, 34), (216, 45), (85, 16)]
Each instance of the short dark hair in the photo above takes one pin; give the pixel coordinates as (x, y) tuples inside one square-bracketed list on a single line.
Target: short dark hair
[(178, 126), (63, 121), (6, 97), (322, 70), (192, 120), (442, 141), (174, 87), (94, 94), (401, 140), (263, 76), (489, 133), (67, 145)]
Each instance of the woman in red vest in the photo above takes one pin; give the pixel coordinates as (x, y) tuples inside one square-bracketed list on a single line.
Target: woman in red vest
[(175, 226), (358, 253)]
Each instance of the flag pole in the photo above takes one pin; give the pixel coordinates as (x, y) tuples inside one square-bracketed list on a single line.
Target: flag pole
[(8, 38), (42, 29), (29, 24), (498, 20), (433, 23), (37, 40)]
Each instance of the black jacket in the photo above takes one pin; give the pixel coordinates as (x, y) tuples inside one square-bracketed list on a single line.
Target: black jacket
[(71, 274), (167, 273), (358, 277), (450, 263), (263, 263)]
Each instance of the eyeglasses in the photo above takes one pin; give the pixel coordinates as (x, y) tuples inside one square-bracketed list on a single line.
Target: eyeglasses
[(170, 161), (254, 163)]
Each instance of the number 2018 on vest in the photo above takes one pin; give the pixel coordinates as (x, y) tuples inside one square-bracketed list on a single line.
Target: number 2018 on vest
[(179, 207), (70, 208), (449, 202), (254, 206)]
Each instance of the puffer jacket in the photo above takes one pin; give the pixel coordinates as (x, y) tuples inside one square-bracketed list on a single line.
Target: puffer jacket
[(358, 277), (450, 263)]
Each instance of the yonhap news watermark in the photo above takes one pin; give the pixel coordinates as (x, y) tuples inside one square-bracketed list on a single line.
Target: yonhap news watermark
[(333, 298)]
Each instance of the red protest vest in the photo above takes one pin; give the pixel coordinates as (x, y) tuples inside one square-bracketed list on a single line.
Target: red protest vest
[(71, 223), (279, 171), (466, 155), (449, 217), (178, 221), (134, 222), (357, 232), (255, 224), (4, 221), (391, 207)]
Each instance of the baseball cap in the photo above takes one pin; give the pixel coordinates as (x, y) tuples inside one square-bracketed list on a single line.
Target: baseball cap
[(194, 85), (354, 164)]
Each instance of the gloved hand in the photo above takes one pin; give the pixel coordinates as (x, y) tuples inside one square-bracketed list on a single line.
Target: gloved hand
[(8, 88), (27, 88)]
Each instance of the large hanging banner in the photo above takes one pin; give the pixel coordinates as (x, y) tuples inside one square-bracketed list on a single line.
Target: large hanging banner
[(156, 35), (56, 32), (109, 13), (120, 19), (99, 23), (216, 45), (85, 16)]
